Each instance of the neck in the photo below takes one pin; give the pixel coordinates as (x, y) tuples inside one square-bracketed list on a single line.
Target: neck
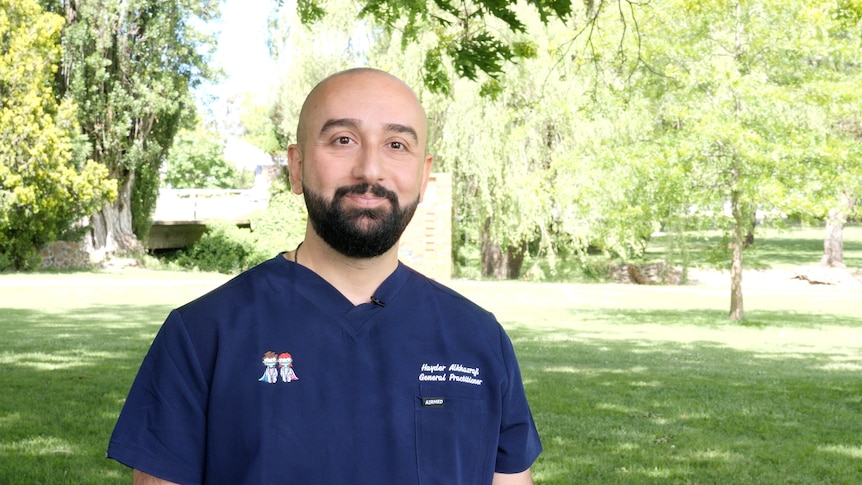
[(356, 278)]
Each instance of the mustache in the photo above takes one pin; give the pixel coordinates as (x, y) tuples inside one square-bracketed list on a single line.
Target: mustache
[(364, 188)]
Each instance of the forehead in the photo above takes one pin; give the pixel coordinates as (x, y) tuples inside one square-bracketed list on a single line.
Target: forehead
[(374, 100)]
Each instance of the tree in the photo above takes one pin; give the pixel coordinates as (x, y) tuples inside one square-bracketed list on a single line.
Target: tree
[(196, 161), (478, 40), (834, 97), (678, 114), (511, 175), (556, 162), (46, 184), (335, 44), (732, 97), (130, 67), (258, 128)]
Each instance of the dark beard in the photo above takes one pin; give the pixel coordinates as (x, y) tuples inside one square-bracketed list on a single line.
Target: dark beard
[(346, 232)]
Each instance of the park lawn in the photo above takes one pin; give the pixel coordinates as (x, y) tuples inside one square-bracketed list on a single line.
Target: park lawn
[(773, 248), (70, 345), (627, 384), (661, 388)]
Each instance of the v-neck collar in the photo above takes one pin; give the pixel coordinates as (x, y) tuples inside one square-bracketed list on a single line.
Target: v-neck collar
[(328, 299)]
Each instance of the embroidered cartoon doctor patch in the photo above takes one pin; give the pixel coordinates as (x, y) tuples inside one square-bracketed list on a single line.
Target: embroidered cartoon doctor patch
[(284, 369)]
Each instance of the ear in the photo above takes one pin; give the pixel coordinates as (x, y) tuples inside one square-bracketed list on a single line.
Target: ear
[(294, 168), (426, 169)]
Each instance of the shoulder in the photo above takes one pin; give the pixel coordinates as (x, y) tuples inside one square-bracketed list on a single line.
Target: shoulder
[(433, 289), (258, 280), (451, 310)]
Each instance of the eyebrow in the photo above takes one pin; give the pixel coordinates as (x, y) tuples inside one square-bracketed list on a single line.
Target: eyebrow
[(354, 123), (339, 123)]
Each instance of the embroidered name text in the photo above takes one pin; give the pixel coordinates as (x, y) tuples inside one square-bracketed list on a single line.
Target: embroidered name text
[(455, 372)]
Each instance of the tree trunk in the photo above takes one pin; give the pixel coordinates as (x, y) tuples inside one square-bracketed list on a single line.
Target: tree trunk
[(515, 260), (499, 265), (493, 262), (833, 242), (111, 227), (736, 244)]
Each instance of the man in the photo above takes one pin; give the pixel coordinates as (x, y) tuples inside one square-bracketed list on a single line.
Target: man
[(395, 379)]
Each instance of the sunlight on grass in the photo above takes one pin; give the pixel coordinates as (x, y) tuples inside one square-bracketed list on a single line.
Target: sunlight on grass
[(570, 370), (851, 451), (842, 366), (9, 419), (54, 360), (658, 473), (615, 407), (592, 371), (40, 445), (646, 384), (685, 416), (713, 455)]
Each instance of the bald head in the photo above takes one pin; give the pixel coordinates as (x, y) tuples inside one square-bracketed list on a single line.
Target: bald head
[(361, 81)]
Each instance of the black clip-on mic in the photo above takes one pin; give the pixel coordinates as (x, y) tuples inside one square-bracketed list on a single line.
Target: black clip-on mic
[(377, 302)]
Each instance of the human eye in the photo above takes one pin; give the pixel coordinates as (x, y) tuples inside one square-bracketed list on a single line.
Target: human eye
[(343, 140), (397, 145)]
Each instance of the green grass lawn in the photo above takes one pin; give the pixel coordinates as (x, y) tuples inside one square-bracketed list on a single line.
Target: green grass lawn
[(659, 387), (773, 248), (628, 384)]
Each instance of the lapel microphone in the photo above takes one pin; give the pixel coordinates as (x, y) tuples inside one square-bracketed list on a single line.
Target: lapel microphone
[(377, 302)]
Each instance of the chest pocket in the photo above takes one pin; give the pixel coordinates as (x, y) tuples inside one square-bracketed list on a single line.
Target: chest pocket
[(455, 435)]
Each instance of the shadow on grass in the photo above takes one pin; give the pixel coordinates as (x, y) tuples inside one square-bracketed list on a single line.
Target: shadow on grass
[(65, 377), (646, 411)]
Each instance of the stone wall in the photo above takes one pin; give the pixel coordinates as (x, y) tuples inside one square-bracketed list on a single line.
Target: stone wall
[(65, 255)]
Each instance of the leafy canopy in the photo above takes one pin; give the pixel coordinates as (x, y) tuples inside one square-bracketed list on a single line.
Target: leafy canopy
[(197, 161), (466, 33), (46, 186)]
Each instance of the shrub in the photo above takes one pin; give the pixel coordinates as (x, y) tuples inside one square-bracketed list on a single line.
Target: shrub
[(224, 248), (282, 226)]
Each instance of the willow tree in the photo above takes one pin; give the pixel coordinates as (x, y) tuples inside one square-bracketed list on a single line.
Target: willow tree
[(512, 141), (130, 67)]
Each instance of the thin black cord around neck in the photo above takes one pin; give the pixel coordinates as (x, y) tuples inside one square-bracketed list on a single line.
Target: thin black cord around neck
[(296, 253)]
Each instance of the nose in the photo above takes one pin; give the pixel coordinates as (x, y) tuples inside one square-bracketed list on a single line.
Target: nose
[(368, 166)]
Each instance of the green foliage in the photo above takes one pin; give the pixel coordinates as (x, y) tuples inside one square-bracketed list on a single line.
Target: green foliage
[(474, 38), (224, 248), (282, 226), (143, 197), (598, 137), (435, 77), (228, 249), (257, 123), (196, 161), (748, 111), (45, 184), (130, 67)]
